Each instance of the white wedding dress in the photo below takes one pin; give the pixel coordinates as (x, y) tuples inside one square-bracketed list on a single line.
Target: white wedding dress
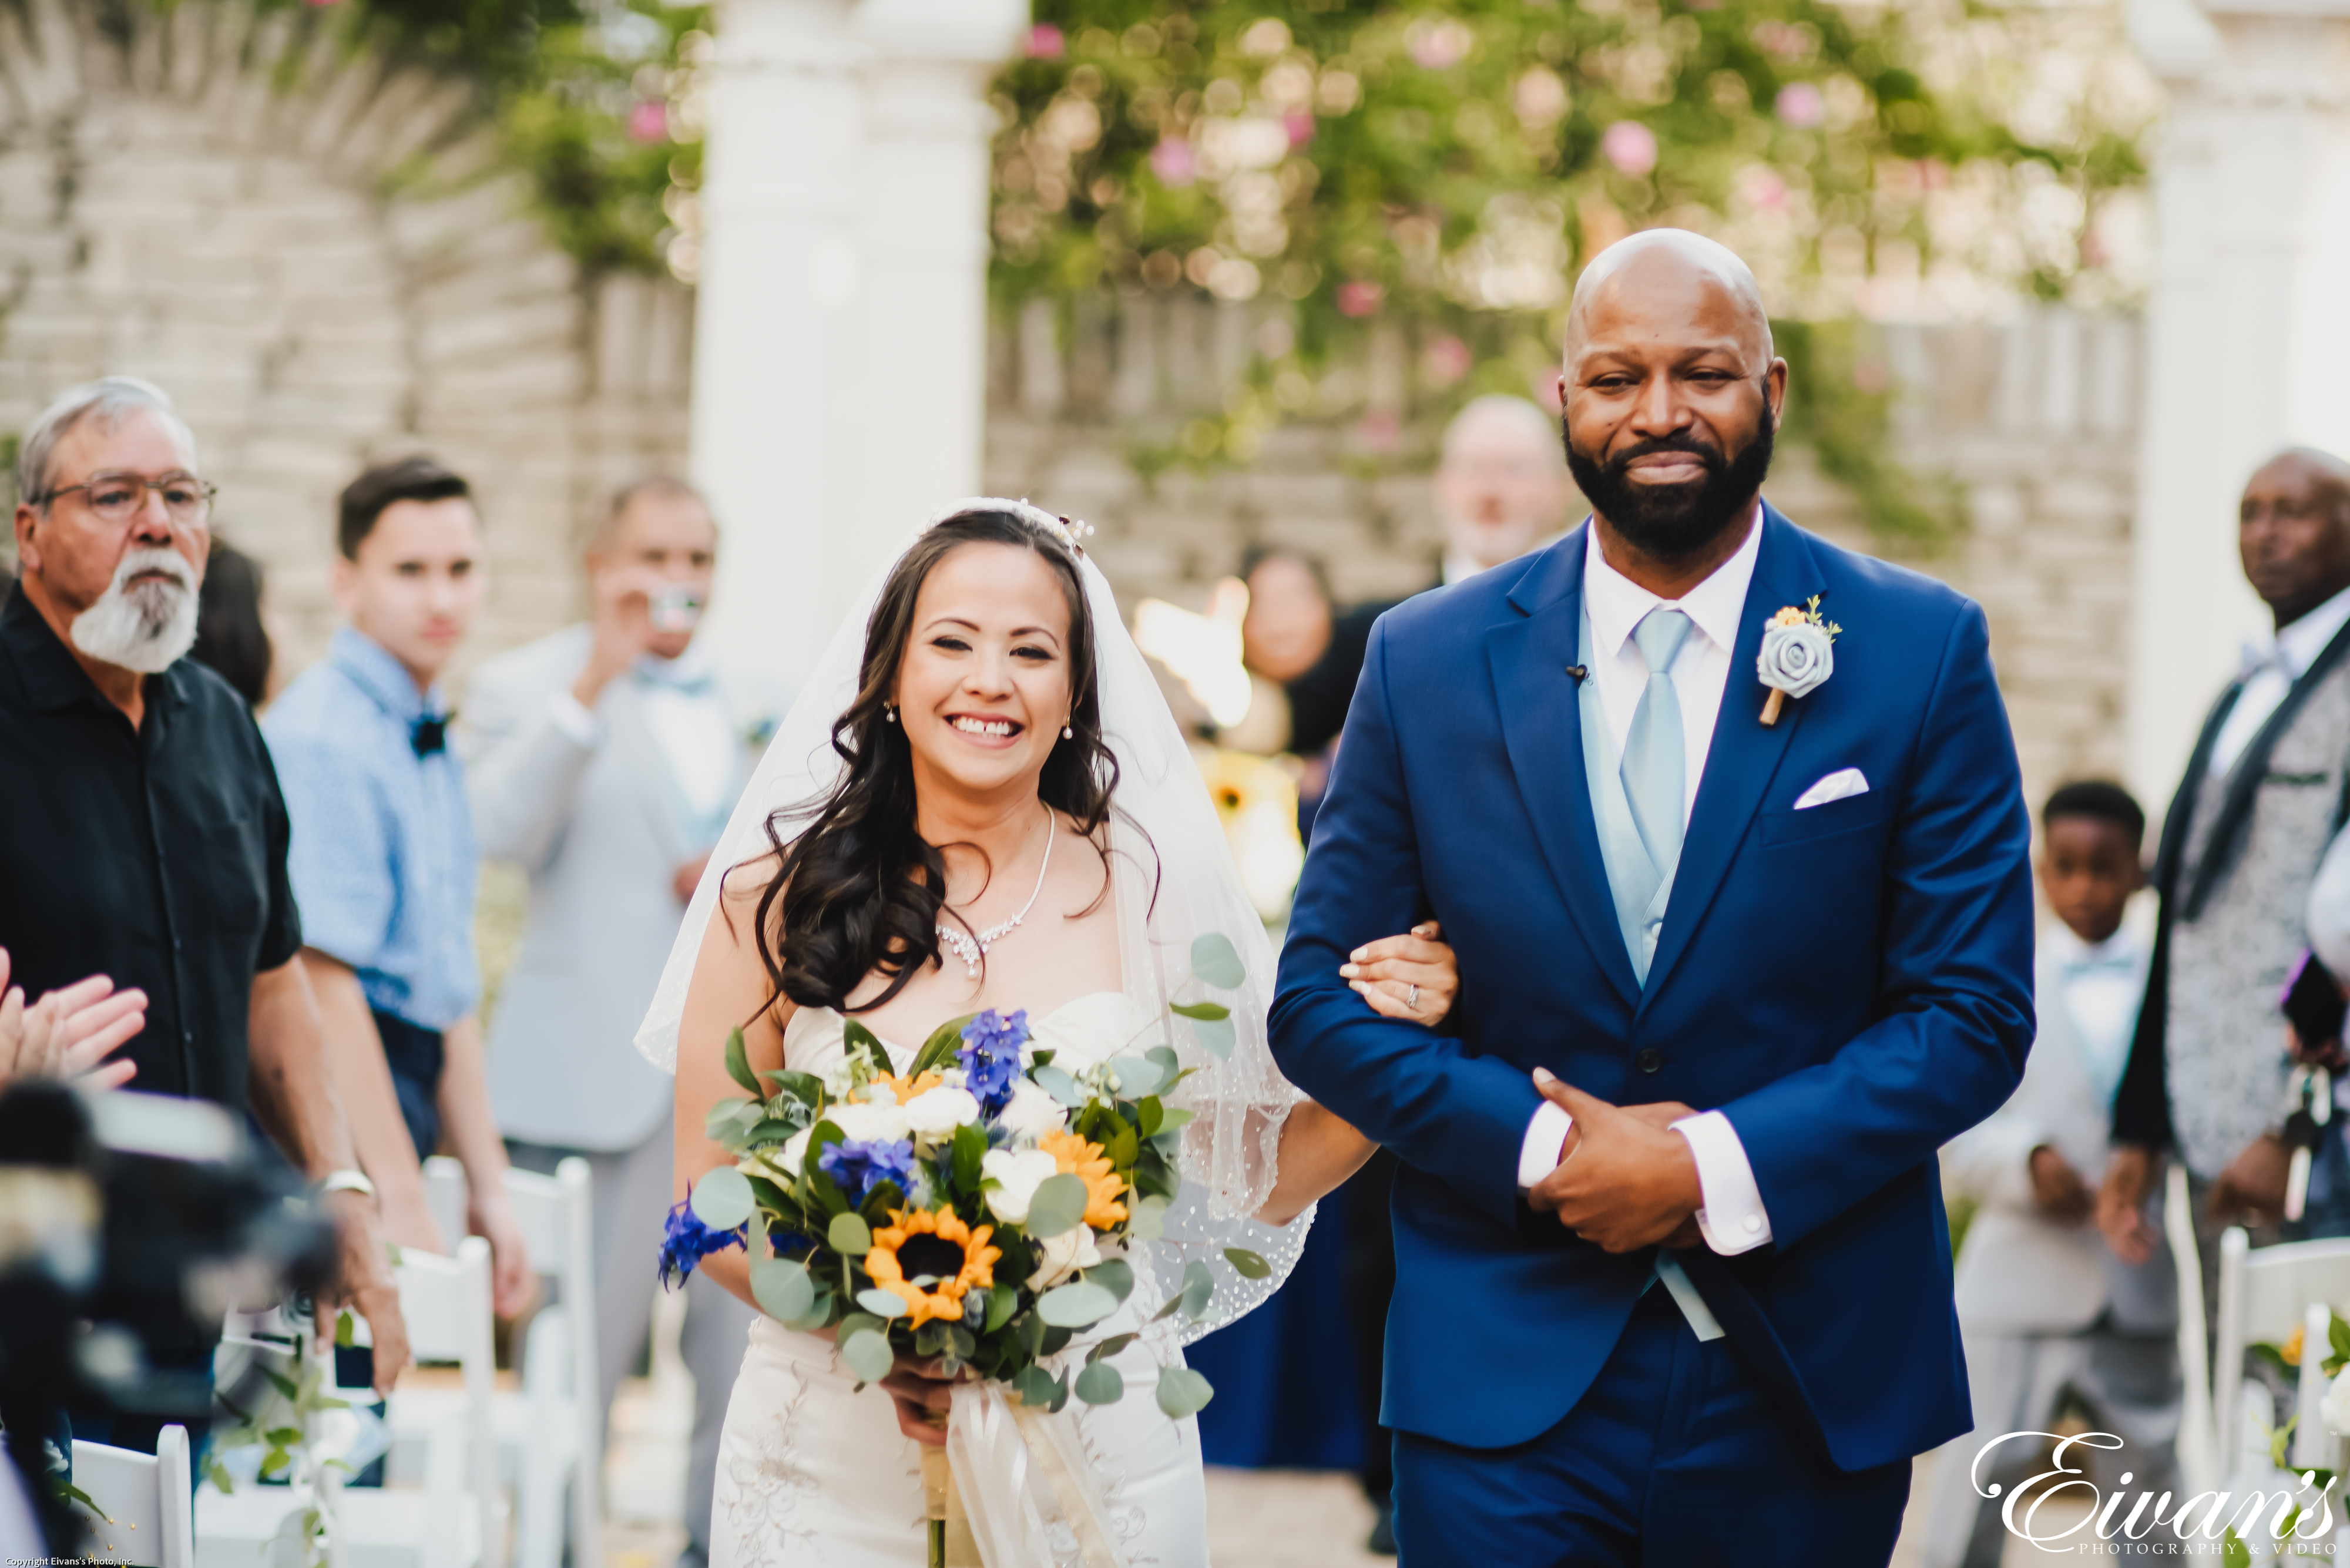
[(812, 1471)]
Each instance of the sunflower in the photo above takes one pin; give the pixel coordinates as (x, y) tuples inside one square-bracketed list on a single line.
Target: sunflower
[(1085, 1160), (938, 1246), (906, 1088)]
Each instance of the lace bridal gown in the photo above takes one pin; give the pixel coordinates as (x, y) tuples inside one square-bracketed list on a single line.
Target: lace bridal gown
[(812, 1471)]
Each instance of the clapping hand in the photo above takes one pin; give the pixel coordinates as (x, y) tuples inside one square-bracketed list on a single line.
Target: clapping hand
[(1625, 1179), (69, 1033)]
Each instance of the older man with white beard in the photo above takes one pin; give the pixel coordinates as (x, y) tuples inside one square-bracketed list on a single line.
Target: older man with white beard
[(142, 835)]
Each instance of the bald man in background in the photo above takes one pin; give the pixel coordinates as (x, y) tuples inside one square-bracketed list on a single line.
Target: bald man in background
[(1501, 485), (1673, 1278), (2264, 793)]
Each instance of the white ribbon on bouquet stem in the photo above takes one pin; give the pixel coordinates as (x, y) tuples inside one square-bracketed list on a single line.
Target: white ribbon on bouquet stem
[(1019, 1472)]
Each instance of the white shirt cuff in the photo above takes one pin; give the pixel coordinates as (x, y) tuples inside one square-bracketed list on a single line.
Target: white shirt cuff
[(1538, 1151), (574, 720), (1731, 1220)]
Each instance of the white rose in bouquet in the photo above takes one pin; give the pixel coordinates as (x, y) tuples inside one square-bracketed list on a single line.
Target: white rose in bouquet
[(867, 1121), (1017, 1174), (936, 1113), (794, 1151), (1032, 1113), (1063, 1255)]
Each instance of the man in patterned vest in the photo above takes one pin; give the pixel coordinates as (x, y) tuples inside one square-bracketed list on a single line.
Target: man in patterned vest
[(2263, 795)]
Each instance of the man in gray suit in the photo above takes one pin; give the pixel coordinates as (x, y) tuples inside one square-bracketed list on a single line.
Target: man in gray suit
[(605, 761), (2049, 1314)]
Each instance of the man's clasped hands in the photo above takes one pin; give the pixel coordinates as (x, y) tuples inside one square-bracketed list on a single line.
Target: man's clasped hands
[(1625, 1179)]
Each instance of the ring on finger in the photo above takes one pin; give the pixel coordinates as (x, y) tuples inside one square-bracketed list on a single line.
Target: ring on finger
[(1411, 999)]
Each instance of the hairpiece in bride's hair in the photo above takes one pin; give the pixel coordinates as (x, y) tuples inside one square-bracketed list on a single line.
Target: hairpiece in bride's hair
[(1070, 532)]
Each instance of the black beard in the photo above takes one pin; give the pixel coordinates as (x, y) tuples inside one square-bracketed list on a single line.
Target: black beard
[(1672, 523)]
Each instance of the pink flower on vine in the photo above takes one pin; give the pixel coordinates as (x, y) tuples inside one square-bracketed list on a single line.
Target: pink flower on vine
[(1445, 360), (1800, 105), (648, 122), (1046, 42), (1631, 146), (1174, 163), (1299, 123), (1379, 430), (1763, 190), (1359, 297)]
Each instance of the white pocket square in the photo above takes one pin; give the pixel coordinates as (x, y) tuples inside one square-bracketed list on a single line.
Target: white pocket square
[(1841, 785)]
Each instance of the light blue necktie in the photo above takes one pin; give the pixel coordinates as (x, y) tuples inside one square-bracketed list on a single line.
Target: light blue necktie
[(1655, 775)]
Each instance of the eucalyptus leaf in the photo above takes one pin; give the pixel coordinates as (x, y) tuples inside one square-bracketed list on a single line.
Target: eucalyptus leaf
[(868, 1355), (1183, 1392), (1208, 1010), (721, 1199), (1037, 1388), (1076, 1306), (1215, 1036), (1217, 962), (859, 1322), (1059, 1084), (1146, 1219), (1099, 1384), (738, 1064), (1059, 1205), (1175, 1117), (849, 1235), (783, 1288), (1198, 1286), (1111, 1346), (1115, 1275), (883, 1304), (1168, 1061), (1247, 1264), (1137, 1076)]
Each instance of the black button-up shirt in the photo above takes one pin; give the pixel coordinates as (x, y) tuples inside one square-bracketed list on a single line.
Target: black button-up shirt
[(155, 855)]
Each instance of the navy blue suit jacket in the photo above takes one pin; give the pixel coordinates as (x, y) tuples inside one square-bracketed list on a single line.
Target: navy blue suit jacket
[(1850, 984)]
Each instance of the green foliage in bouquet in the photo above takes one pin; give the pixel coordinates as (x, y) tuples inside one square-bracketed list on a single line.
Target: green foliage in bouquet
[(974, 1210)]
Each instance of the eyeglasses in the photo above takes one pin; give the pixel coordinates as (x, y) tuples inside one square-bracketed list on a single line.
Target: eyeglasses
[(118, 498)]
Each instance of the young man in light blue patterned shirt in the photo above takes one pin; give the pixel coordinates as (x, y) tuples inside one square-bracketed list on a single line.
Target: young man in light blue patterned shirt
[(383, 858)]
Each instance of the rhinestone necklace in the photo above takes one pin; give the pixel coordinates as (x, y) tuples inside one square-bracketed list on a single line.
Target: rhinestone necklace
[(971, 948)]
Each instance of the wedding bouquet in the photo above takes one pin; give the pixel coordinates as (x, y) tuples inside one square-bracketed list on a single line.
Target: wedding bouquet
[(975, 1210)]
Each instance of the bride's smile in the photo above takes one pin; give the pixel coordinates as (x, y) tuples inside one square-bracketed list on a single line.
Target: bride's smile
[(984, 693)]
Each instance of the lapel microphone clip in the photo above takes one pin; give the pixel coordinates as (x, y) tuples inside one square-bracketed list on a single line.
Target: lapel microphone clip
[(1577, 673)]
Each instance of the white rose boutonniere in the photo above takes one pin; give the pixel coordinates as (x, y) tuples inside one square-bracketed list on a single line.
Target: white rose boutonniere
[(1798, 655)]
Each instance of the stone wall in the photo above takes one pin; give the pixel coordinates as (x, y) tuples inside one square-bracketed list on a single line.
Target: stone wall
[(2036, 417), (322, 261)]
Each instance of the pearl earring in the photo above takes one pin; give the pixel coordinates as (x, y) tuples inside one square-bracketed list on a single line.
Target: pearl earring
[(1068, 734), (888, 714)]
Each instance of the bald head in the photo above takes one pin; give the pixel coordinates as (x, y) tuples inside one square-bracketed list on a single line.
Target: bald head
[(1671, 261), (2293, 531), (1501, 485), (1673, 397)]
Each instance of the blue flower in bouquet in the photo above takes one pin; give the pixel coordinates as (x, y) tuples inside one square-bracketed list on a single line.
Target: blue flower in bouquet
[(857, 1168), (990, 1056), (687, 1241)]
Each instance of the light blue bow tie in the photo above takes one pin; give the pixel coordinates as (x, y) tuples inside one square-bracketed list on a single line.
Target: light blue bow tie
[(692, 682), (2100, 963)]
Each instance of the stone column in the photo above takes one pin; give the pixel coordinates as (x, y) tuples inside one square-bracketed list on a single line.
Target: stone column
[(915, 386), (770, 327), (840, 379), (2247, 330)]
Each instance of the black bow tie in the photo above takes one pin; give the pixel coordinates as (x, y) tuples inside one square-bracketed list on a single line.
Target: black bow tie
[(430, 735)]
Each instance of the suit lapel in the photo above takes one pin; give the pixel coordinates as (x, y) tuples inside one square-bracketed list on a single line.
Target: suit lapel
[(1745, 751), (1540, 725), (648, 768)]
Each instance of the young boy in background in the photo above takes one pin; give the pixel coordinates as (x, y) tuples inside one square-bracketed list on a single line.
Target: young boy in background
[(2050, 1316)]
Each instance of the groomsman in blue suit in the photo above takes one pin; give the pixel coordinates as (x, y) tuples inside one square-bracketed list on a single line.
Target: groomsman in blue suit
[(1726, 826)]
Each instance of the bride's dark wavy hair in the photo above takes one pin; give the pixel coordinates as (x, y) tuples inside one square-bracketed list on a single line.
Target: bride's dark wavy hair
[(860, 889)]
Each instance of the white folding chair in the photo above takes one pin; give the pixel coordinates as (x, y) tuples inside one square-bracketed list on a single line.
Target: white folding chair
[(146, 1507), (550, 1436), (2200, 1452), (2263, 1296), (454, 1519)]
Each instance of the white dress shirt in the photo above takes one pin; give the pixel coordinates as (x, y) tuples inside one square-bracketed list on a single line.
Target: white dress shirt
[(2275, 663), (1732, 1218), (2102, 983), (688, 716)]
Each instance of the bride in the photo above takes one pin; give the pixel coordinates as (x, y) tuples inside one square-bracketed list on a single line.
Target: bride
[(981, 802)]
